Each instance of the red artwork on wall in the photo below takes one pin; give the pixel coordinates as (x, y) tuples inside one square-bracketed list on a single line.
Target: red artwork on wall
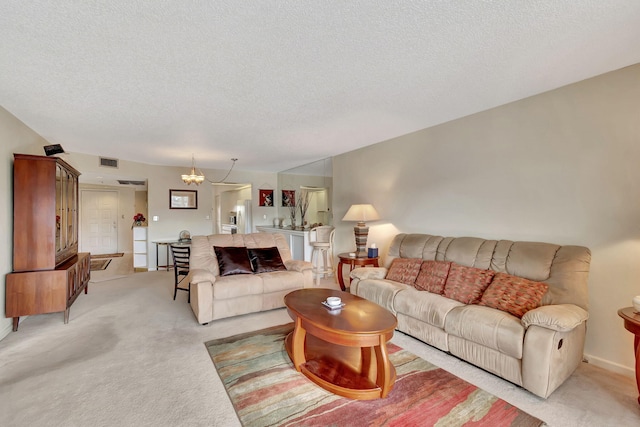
[(266, 198)]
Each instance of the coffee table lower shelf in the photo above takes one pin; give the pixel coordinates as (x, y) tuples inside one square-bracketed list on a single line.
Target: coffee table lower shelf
[(337, 377)]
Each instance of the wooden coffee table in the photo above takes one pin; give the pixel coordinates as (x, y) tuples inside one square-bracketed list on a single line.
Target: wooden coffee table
[(343, 351)]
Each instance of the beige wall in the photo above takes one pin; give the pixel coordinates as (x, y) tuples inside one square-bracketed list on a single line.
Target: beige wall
[(561, 167), (15, 137)]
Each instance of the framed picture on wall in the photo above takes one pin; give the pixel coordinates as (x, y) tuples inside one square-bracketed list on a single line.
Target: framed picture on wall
[(288, 198), (183, 199), (266, 198)]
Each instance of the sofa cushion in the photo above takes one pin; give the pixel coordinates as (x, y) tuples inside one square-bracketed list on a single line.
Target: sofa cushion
[(264, 260), (488, 327), (424, 306), (276, 281), (466, 284), (233, 260), (404, 270), (380, 291), (513, 294), (237, 286), (432, 276)]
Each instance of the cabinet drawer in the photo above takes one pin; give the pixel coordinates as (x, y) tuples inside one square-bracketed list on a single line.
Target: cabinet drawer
[(36, 292)]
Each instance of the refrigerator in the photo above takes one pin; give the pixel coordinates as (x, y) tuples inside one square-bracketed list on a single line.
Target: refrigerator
[(244, 218)]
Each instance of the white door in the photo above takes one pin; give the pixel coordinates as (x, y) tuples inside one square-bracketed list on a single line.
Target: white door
[(99, 222)]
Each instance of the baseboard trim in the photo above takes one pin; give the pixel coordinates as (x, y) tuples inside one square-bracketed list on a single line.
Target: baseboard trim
[(7, 329), (610, 366)]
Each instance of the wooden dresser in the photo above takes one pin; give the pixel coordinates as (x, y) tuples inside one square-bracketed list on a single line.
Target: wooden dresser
[(48, 272)]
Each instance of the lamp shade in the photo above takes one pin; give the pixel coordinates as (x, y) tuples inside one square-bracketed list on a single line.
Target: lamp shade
[(361, 213)]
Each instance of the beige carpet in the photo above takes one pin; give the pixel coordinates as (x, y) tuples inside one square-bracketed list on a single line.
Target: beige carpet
[(131, 356)]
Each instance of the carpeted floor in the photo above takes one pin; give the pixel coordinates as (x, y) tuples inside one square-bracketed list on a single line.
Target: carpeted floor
[(131, 356), (266, 390)]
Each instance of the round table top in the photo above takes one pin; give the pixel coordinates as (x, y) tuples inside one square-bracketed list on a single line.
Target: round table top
[(629, 313), (358, 317)]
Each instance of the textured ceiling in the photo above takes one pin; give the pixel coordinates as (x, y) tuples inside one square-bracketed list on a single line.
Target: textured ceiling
[(281, 83)]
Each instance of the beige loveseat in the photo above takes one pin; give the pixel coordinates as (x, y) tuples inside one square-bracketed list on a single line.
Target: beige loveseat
[(215, 297), (538, 351)]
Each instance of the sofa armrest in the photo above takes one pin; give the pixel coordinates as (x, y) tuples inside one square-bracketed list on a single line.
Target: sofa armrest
[(297, 265), (201, 294), (201, 275), (557, 317), (362, 273)]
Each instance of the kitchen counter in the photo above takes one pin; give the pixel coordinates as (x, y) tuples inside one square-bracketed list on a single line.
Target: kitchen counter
[(298, 240)]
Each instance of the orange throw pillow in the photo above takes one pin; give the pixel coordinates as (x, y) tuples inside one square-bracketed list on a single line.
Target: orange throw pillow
[(404, 270), (513, 294), (433, 276), (466, 284)]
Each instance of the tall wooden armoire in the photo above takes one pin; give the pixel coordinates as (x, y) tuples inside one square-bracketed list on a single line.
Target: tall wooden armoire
[(48, 272)]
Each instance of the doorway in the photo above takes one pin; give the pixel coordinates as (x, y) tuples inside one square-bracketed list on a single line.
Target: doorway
[(99, 221), (232, 208)]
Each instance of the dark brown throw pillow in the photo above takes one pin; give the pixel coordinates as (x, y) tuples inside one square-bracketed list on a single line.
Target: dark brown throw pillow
[(264, 260), (233, 260)]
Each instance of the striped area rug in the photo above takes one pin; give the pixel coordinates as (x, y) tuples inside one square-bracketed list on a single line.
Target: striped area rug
[(266, 390)]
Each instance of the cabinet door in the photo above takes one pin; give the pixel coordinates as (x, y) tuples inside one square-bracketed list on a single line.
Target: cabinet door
[(72, 281), (59, 208)]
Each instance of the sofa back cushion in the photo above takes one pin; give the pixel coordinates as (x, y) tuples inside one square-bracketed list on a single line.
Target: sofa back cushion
[(466, 284), (404, 270), (565, 269), (513, 294), (433, 276)]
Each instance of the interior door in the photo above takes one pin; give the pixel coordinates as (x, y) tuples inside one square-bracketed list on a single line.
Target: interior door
[(99, 221)]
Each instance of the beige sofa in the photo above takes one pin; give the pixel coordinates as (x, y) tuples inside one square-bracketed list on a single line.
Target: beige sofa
[(538, 352), (215, 297)]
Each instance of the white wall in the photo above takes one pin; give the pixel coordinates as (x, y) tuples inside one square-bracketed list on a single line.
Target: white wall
[(561, 167), (15, 137)]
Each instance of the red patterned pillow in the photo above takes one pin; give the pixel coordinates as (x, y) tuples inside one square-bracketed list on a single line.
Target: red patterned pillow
[(432, 276), (466, 284), (513, 294), (404, 270)]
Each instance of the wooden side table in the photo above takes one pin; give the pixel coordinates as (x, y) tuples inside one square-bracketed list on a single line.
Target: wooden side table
[(632, 324), (353, 263)]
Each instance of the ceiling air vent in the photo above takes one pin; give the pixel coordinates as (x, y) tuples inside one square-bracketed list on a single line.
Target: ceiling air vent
[(129, 182), (110, 163)]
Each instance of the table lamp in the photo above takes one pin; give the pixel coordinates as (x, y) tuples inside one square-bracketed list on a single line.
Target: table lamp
[(360, 214)]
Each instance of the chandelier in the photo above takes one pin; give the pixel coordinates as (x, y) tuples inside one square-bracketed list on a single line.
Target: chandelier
[(197, 177)]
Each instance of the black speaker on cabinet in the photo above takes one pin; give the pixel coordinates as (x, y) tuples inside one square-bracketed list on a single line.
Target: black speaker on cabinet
[(52, 150)]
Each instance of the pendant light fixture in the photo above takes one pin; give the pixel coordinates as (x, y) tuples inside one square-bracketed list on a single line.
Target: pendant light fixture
[(197, 177)]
